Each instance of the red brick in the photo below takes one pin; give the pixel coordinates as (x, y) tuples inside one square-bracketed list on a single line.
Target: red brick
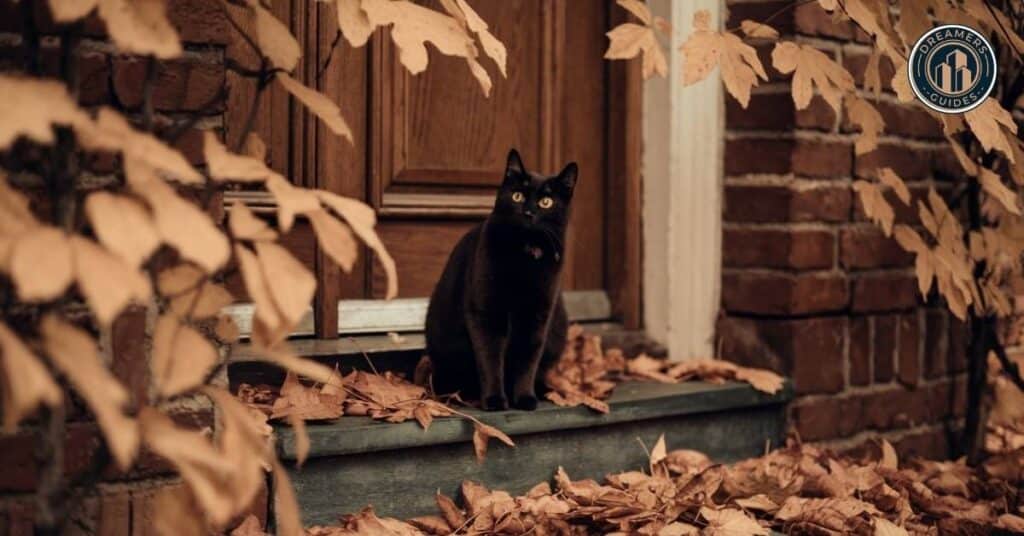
[(860, 350), (909, 371), (115, 514), (81, 442), (771, 248), (772, 156), (856, 63), (17, 516), (884, 292), (867, 247), (825, 159), (772, 111), (200, 21), (783, 294), (182, 85), (770, 204), (811, 19), (816, 354), (958, 341), (884, 348), (936, 343), (818, 419), (128, 348), (905, 120), (896, 408), (911, 164), (818, 115), (829, 204), (809, 350), (782, 16), (934, 444)]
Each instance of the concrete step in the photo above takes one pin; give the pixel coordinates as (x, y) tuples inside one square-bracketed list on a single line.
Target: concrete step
[(397, 468)]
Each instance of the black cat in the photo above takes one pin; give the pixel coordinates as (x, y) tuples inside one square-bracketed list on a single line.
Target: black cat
[(496, 321)]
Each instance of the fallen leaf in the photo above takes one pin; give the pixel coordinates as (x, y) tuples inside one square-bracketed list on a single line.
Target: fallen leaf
[(481, 434), (889, 459), (730, 521), (249, 527)]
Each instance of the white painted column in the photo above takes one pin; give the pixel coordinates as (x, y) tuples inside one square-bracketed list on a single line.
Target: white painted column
[(682, 195)]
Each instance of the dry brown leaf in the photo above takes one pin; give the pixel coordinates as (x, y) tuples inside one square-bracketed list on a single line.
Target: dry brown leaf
[(319, 104), (307, 403), (993, 185), (413, 26), (658, 453), (286, 506), (481, 434), (738, 61), (206, 470), (244, 225), (629, 40), (492, 47), (205, 301), (756, 29), (26, 382), (258, 288), (335, 239), (889, 178), (112, 132), (249, 527), (73, 352), (141, 27), (41, 264), (122, 225), (353, 23), (224, 165), (276, 43), (106, 282), (71, 10), (730, 522), (876, 207), (31, 107), (291, 200), (987, 123), (866, 117), (362, 220), (301, 438), (763, 380), (889, 459), (226, 329), (182, 357), (181, 224), (292, 287), (811, 69)]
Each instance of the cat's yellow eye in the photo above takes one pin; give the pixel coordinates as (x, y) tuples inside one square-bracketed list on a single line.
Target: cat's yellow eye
[(518, 197), (546, 202)]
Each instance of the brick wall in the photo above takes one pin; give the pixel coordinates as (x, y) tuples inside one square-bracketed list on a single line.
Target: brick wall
[(122, 504), (811, 289)]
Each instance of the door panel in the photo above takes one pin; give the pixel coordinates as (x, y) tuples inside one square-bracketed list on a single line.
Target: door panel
[(420, 249)]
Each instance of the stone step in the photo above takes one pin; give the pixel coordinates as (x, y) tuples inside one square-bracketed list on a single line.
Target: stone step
[(397, 468)]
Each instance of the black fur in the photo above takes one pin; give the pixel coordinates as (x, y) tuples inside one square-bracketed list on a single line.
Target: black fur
[(496, 320)]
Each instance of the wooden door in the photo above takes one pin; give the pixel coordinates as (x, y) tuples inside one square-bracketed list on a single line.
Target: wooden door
[(430, 149)]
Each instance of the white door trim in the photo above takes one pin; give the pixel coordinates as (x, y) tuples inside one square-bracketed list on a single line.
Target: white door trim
[(683, 135)]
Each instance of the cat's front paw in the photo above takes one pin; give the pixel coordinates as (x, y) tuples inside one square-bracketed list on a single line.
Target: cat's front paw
[(495, 403), (525, 402)]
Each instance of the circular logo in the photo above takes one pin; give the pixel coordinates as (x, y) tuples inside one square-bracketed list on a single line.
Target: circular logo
[(952, 69)]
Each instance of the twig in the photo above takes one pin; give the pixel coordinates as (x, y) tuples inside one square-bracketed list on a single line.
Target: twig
[(330, 55), (780, 11), (1010, 368), (175, 132), (250, 119), (50, 507), (30, 38)]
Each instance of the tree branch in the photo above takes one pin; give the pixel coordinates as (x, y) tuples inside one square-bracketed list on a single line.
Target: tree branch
[(147, 94), (330, 55)]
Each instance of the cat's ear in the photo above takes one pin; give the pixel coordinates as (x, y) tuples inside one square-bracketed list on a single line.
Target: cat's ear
[(514, 166), (567, 178)]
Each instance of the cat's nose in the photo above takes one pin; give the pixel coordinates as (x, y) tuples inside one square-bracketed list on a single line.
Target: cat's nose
[(528, 213)]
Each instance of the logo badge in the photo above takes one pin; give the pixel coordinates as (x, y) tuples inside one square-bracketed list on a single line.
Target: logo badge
[(952, 69)]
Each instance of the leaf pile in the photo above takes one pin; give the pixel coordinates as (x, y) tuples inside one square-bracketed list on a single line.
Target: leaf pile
[(587, 375), (385, 397), (799, 489)]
